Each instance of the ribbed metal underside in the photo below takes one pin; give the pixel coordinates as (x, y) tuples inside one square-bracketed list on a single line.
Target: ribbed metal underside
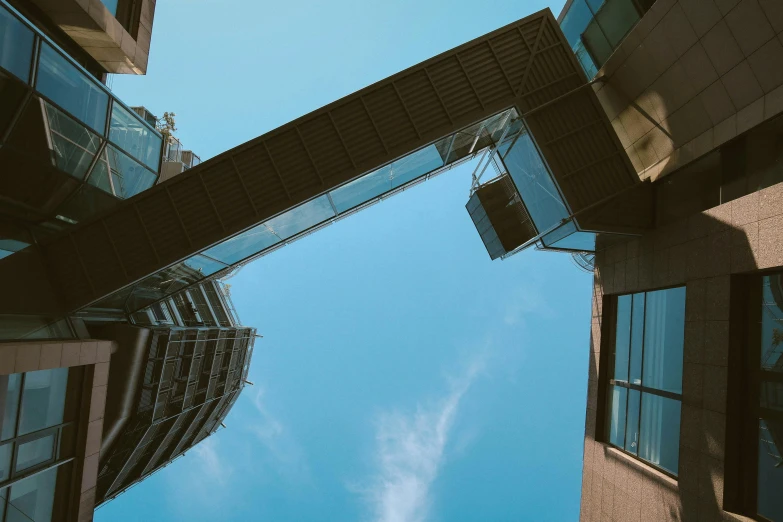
[(527, 65)]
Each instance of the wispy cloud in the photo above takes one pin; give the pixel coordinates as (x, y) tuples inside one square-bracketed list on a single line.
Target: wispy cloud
[(202, 480), (410, 453), (281, 448)]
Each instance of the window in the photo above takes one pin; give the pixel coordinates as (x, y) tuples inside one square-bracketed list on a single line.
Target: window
[(645, 376), (16, 45), (754, 417), (127, 131), (37, 436), (67, 86)]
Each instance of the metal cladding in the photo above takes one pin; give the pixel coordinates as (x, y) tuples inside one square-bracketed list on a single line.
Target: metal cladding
[(500, 217), (527, 65)]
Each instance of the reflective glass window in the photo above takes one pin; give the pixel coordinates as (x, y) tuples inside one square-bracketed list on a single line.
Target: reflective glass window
[(60, 80), (575, 21), (12, 384), (616, 18), (622, 344), (43, 399), (660, 431), (74, 145), (118, 174), (35, 452), (568, 237), (770, 394), (632, 422), (415, 165), (617, 422), (32, 498), (301, 218), (16, 45), (5, 460), (535, 184), (134, 137), (361, 190), (647, 363), (244, 245), (663, 339)]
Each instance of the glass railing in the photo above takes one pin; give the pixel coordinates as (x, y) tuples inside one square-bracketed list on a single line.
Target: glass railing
[(327, 208), (82, 117)]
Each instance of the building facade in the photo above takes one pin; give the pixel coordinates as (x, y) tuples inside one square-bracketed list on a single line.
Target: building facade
[(645, 134), (96, 401)]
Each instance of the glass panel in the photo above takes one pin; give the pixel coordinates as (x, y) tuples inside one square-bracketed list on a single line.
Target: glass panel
[(35, 452), (118, 174), (16, 45), (637, 336), (244, 245), (632, 420), (772, 323), (12, 384), (32, 499), (134, 137), (63, 83), (574, 24), (5, 460), (415, 165), (664, 334), (301, 218), (74, 146), (596, 44), (575, 21), (622, 338), (616, 18), (362, 190), (568, 237), (619, 398), (43, 399), (535, 184), (203, 265), (660, 436), (770, 471)]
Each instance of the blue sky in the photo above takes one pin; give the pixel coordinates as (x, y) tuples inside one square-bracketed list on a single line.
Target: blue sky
[(403, 376)]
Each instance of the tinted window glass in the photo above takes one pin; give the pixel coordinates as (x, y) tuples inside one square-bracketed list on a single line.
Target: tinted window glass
[(33, 498), (16, 45), (244, 245), (632, 428), (134, 137), (534, 184), (12, 384), (118, 174), (63, 83), (74, 145), (660, 431), (619, 399), (43, 399), (35, 452), (663, 339)]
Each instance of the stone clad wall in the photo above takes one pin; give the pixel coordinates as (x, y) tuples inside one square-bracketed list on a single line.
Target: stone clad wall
[(700, 252), (692, 75)]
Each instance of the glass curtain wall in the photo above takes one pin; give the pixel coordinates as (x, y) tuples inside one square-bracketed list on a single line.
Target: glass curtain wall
[(92, 136), (645, 386), (594, 28), (37, 438)]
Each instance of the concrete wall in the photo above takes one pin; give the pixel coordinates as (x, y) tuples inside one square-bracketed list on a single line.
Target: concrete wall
[(700, 252), (692, 75)]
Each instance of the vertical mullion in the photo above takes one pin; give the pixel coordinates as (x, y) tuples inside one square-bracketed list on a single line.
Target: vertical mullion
[(641, 373), (374, 126), (628, 390)]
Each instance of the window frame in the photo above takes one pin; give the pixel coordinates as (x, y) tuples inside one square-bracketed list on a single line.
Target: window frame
[(743, 407), (606, 378)]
